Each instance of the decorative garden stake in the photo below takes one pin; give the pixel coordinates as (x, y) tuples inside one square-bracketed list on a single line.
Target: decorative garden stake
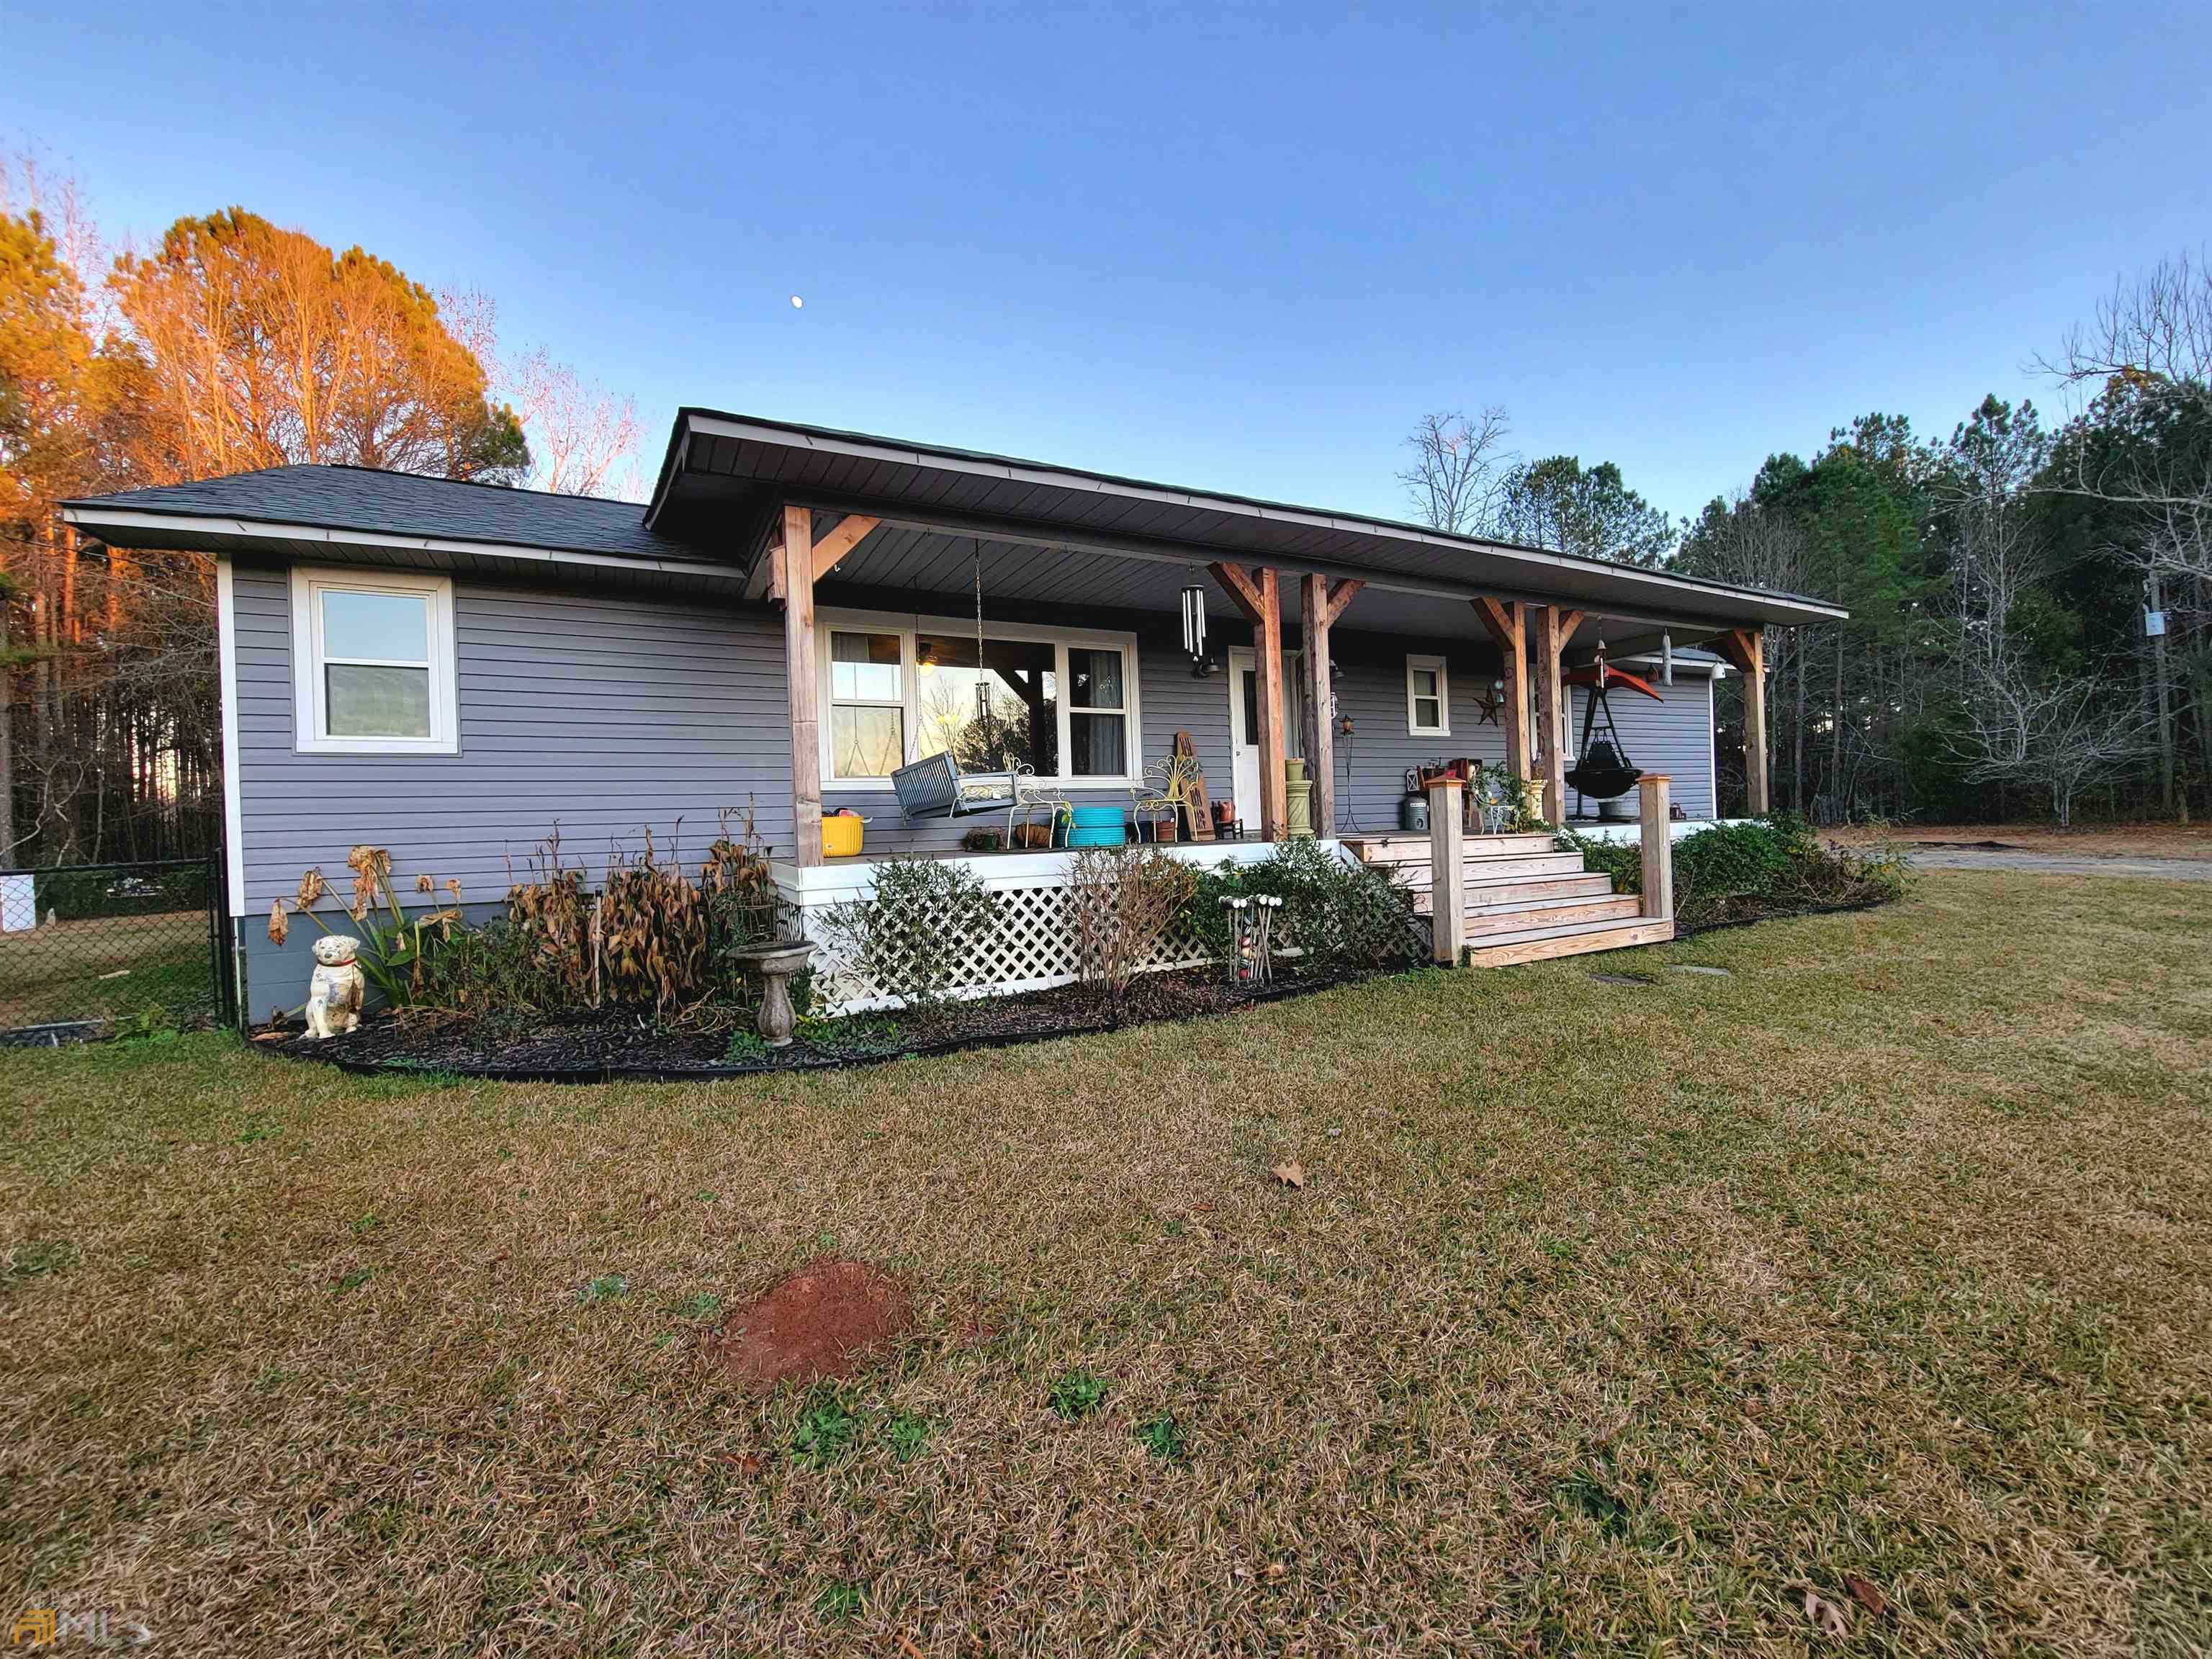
[(1240, 958), (1263, 939), (334, 993), (1252, 936)]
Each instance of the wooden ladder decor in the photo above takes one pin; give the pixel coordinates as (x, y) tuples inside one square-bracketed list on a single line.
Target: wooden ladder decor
[(1195, 809)]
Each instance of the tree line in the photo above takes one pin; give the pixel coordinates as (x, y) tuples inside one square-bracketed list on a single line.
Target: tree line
[(230, 344), (2030, 631)]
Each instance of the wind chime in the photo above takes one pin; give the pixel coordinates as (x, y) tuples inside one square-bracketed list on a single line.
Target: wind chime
[(1193, 632), (1252, 927)]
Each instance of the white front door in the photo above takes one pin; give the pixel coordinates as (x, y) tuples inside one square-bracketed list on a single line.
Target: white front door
[(1244, 727)]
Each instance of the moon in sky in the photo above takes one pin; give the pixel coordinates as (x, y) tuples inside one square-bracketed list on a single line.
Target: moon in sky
[(796, 302)]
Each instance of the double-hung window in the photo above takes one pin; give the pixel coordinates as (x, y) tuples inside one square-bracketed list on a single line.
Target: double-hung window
[(867, 704), (372, 663), (899, 689), (1428, 698), (1097, 713)]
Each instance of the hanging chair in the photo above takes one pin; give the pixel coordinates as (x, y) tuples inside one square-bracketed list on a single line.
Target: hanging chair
[(1604, 772), (935, 785)]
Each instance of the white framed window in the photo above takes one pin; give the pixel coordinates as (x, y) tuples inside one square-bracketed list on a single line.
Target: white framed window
[(372, 663), (896, 689), (1428, 698), (867, 703)]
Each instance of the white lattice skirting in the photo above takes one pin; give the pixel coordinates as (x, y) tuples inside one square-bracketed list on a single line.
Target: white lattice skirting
[(1031, 949)]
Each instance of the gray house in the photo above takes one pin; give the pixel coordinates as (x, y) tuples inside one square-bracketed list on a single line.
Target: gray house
[(452, 670)]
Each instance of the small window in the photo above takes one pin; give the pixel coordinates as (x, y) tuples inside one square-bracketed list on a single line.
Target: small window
[(867, 706), (372, 660), (1428, 697)]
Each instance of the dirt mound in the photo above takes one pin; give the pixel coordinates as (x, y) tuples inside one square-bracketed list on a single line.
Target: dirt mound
[(816, 1323)]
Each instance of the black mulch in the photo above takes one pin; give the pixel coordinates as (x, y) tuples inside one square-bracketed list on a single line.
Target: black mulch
[(1747, 910), (593, 1045)]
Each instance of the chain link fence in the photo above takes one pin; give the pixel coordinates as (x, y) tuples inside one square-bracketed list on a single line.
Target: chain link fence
[(87, 947)]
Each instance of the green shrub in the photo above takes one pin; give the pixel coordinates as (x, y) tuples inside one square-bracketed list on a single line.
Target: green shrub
[(1734, 871), (476, 969), (917, 934), (1341, 916), (1744, 858)]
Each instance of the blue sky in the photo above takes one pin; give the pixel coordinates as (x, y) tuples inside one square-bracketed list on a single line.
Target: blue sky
[(1238, 247)]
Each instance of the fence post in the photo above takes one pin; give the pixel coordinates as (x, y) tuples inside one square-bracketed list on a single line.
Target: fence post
[(1447, 873), (1651, 810)]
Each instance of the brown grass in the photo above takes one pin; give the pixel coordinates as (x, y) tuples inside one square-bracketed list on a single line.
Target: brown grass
[(1608, 1318)]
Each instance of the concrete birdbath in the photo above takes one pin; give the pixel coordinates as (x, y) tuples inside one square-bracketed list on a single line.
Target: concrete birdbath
[(775, 962)]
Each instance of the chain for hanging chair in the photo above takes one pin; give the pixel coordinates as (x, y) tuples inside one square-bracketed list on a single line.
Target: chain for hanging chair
[(983, 677)]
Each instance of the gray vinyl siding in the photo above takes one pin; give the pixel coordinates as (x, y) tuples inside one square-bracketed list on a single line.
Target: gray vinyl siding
[(1373, 761), (609, 716)]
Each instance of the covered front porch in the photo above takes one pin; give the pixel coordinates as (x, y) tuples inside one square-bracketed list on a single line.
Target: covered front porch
[(1085, 627), (1056, 643)]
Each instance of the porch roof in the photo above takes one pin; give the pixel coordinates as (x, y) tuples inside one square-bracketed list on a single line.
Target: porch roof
[(720, 467)]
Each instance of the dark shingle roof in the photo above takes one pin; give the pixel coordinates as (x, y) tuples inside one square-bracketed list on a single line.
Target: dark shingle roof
[(407, 504)]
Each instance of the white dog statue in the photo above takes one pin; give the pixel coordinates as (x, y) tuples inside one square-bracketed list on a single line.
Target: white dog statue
[(335, 992)]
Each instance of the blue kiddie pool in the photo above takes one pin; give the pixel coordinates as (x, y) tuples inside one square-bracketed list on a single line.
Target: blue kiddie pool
[(1098, 826)]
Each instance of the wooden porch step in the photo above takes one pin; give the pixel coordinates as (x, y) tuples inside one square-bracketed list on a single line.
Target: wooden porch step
[(1576, 939), (1415, 849), (1511, 892), (1538, 866), (1507, 890), (1499, 922)]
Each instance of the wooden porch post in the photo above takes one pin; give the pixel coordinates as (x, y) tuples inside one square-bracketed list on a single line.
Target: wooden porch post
[(1447, 873), (1320, 606), (794, 578), (1260, 601), (1550, 641), (1746, 650), (1651, 808), (1502, 619)]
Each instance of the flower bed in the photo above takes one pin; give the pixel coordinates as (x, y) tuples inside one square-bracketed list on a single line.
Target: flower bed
[(587, 1045)]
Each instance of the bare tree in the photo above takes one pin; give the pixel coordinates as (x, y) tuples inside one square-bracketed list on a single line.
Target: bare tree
[(2159, 325), (1458, 476), (2147, 354), (2026, 723), (581, 435)]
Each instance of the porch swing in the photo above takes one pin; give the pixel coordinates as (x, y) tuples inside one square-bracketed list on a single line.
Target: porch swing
[(935, 787), (1603, 772)]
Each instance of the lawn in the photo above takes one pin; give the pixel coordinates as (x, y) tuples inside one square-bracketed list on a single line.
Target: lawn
[(1610, 1317)]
